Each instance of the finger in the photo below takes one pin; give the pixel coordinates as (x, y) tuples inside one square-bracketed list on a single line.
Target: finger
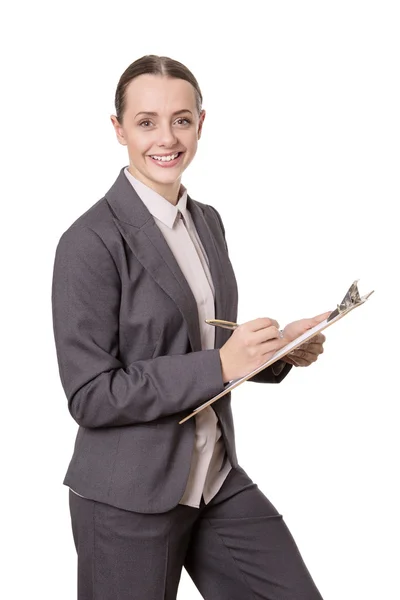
[(319, 338), (316, 340), (313, 321), (265, 335), (271, 345), (297, 362), (307, 345), (319, 318), (262, 323), (305, 324), (290, 359), (304, 355), (304, 358), (314, 348), (302, 363)]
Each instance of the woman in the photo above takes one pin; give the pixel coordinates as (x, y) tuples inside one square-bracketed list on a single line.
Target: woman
[(135, 277)]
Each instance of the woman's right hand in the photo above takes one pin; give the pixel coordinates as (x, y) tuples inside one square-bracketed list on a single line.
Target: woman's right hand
[(250, 345)]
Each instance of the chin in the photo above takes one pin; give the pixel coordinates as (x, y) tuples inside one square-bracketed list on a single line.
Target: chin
[(167, 177)]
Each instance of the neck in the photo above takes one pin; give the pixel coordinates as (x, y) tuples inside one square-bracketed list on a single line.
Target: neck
[(168, 191)]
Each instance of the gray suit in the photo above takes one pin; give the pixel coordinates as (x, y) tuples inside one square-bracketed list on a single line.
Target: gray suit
[(129, 350), (128, 345)]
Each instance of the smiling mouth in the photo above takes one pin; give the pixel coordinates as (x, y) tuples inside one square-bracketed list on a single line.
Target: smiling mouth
[(165, 157), (166, 161)]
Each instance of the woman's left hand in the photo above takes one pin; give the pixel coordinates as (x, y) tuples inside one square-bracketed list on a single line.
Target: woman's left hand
[(307, 353)]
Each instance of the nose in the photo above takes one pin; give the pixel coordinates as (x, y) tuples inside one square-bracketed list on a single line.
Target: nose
[(166, 136)]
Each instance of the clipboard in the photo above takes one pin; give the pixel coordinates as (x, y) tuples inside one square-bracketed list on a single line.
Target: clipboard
[(351, 300)]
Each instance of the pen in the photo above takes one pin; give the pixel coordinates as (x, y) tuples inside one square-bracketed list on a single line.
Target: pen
[(229, 324), (222, 323)]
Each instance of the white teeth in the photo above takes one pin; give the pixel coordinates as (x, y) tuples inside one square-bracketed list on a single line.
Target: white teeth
[(166, 158)]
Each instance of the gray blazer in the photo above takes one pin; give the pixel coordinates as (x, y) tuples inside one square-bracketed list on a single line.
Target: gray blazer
[(129, 353)]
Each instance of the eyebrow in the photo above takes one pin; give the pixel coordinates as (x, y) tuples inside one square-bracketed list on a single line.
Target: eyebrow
[(154, 114)]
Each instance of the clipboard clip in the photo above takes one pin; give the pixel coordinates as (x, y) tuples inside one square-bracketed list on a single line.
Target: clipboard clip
[(351, 299)]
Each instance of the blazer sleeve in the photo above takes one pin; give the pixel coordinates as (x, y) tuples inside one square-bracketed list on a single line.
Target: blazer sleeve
[(276, 372), (101, 391)]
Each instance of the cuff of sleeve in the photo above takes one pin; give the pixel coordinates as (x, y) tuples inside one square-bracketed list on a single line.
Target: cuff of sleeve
[(212, 370)]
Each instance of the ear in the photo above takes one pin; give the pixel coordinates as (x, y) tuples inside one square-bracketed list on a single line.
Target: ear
[(201, 121), (118, 130)]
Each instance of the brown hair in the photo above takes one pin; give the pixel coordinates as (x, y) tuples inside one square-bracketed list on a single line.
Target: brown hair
[(154, 65)]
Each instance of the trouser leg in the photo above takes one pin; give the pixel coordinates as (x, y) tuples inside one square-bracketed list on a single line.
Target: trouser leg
[(241, 548), (124, 555)]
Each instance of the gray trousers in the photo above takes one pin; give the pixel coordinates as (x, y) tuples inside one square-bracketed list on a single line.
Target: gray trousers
[(237, 547)]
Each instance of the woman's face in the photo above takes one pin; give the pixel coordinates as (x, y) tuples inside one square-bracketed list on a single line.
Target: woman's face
[(160, 122)]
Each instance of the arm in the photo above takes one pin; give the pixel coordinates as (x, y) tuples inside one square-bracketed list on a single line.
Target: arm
[(101, 391), (276, 372)]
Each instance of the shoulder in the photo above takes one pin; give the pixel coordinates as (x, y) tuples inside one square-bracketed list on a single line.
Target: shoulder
[(91, 242), (96, 223), (98, 217)]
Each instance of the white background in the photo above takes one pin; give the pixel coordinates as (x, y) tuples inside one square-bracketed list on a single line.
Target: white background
[(300, 155)]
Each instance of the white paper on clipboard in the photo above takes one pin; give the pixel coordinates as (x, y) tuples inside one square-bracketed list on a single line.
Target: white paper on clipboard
[(351, 301)]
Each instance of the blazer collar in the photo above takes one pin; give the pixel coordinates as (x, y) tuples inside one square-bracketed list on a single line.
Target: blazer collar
[(146, 241)]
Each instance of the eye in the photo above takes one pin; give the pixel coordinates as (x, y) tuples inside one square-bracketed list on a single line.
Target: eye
[(180, 121), (144, 123)]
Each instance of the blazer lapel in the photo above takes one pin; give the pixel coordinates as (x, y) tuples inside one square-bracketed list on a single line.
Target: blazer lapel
[(151, 249), (146, 241), (218, 274)]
